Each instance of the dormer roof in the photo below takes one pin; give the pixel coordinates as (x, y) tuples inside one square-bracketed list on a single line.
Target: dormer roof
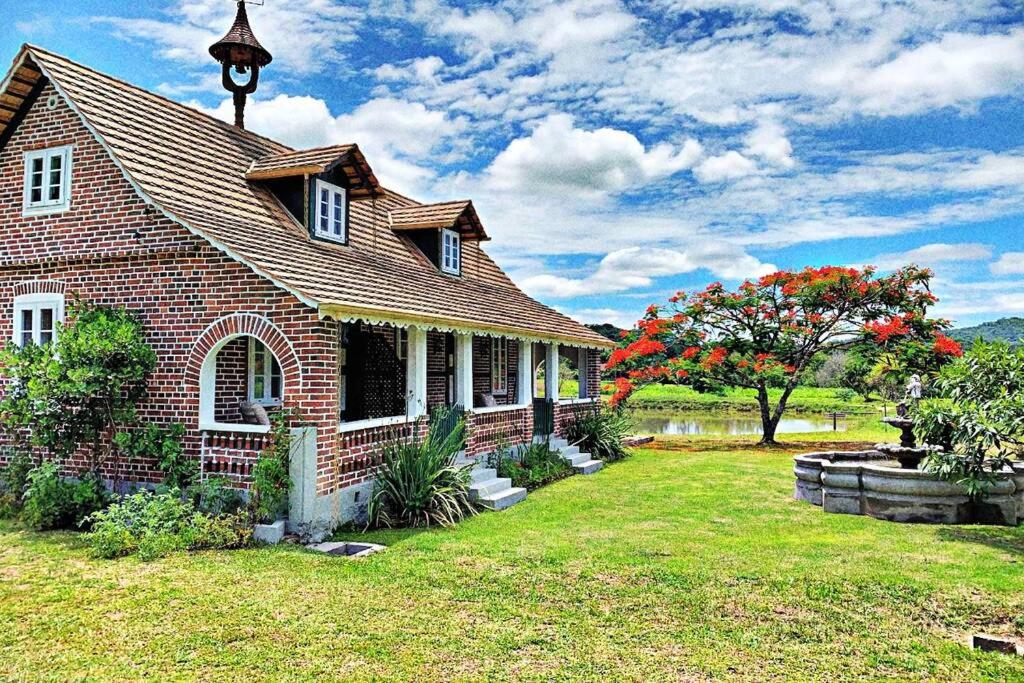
[(362, 181), (459, 216)]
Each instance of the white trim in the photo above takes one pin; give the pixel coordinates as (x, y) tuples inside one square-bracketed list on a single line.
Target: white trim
[(345, 427), (333, 191), (552, 360), (524, 384), (499, 358), (576, 401), (156, 205), (268, 374), (46, 206), (226, 427), (464, 370), (499, 409), (416, 374), (450, 263), (36, 303)]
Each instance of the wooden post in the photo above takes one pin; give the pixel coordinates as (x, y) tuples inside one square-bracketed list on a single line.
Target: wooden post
[(551, 373), (464, 370)]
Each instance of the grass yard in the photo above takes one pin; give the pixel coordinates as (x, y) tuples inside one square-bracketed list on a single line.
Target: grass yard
[(689, 561), (804, 400)]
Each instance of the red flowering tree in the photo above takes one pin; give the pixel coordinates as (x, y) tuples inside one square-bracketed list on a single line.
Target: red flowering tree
[(766, 332)]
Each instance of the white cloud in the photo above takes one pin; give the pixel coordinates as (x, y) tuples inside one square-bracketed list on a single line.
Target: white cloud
[(930, 254), (594, 316), (729, 166), (636, 267), (992, 170), (559, 157), (769, 142), (1010, 263)]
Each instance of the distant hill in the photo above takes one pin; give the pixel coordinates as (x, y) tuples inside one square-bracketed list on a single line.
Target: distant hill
[(1007, 329), (607, 330)]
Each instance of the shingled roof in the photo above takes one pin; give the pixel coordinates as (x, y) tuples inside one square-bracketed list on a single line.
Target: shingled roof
[(459, 216), (194, 169)]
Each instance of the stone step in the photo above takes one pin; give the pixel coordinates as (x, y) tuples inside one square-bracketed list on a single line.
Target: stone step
[(588, 467), (482, 474), (569, 450), (558, 444), (502, 500), (482, 489), (576, 458)]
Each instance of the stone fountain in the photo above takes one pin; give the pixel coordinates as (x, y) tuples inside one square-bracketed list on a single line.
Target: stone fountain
[(888, 483)]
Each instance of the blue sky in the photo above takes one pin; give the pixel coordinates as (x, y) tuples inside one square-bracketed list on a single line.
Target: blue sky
[(620, 150)]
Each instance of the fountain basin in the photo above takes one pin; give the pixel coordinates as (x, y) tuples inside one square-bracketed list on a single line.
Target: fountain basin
[(867, 483)]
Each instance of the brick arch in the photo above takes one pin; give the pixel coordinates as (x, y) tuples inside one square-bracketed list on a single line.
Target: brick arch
[(200, 368), (39, 287)]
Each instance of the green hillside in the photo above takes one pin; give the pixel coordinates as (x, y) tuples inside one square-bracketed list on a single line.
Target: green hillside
[(1006, 329)]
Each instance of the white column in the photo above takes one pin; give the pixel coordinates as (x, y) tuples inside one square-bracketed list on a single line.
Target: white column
[(551, 373), (416, 373), (464, 370), (524, 383)]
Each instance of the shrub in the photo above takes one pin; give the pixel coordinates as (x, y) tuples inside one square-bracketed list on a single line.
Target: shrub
[(156, 524), (601, 433), (419, 483), (530, 466), (215, 496), (164, 445), (271, 479), (13, 482), (52, 502)]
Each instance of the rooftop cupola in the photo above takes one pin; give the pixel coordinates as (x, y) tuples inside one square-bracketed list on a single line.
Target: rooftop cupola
[(239, 50)]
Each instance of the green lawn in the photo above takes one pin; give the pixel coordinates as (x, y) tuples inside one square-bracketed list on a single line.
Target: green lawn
[(804, 399), (689, 561)]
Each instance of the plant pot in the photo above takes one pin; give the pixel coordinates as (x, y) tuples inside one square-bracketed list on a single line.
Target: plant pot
[(271, 534)]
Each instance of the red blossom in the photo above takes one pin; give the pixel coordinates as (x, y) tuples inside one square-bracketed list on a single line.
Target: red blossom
[(715, 358), (946, 346), (691, 352), (883, 331)]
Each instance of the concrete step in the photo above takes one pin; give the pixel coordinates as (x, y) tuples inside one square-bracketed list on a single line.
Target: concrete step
[(588, 467), (558, 444), (576, 458), (482, 474), (482, 489), (569, 450), (502, 500)]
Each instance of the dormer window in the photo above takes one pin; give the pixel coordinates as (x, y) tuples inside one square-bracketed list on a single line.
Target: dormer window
[(47, 181), (451, 252), (331, 212)]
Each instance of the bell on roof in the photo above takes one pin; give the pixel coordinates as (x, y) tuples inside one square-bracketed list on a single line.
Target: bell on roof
[(240, 50)]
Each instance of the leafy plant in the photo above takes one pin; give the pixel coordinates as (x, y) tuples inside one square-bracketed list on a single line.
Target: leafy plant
[(977, 416), (271, 476), (156, 524), (80, 391), (601, 432), (529, 466), (419, 482), (215, 496), (14, 481), (153, 441), (52, 502)]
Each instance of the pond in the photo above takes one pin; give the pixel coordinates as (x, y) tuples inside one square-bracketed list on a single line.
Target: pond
[(727, 424)]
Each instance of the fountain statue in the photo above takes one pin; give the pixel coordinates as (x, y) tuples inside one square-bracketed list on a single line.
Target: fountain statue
[(907, 453)]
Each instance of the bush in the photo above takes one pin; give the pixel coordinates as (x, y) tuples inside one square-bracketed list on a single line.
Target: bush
[(601, 433), (52, 502), (530, 466), (13, 482), (419, 483), (156, 524), (215, 496), (271, 479)]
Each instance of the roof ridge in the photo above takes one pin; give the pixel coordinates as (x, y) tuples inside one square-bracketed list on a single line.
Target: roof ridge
[(149, 93)]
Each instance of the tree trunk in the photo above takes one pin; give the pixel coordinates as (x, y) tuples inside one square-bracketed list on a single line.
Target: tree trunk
[(769, 423)]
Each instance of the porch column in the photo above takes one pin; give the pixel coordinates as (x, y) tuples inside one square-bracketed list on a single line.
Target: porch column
[(551, 373), (524, 382), (464, 370), (582, 360), (416, 373)]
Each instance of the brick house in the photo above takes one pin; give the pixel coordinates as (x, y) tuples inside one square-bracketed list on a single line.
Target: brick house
[(266, 274)]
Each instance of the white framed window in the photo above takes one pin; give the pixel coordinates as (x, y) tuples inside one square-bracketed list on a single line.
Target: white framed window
[(331, 207), (265, 380), (499, 366), (36, 317), (402, 343), (47, 181), (451, 252)]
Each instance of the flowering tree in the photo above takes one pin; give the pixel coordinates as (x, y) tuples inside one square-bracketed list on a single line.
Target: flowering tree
[(765, 334)]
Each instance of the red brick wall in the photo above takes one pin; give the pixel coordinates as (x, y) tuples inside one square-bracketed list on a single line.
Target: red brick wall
[(232, 380), (437, 365), (488, 430), (358, 451), (111, 249)]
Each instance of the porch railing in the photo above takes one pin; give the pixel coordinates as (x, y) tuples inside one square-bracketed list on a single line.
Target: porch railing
[(446, 418), (543, 417)]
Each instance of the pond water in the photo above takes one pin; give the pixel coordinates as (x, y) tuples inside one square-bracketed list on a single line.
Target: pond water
[(727, 425)]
